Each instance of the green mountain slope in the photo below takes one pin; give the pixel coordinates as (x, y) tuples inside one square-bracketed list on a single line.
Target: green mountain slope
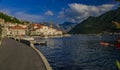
[(98, 24), (8, 18)]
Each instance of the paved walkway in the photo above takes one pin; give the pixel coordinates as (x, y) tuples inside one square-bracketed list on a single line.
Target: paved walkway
[(18, 56)]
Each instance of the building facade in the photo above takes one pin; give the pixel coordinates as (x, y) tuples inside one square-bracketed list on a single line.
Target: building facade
[(16, 31), (42, 30)]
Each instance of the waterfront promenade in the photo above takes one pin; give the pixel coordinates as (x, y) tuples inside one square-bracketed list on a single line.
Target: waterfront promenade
[(17, 56)]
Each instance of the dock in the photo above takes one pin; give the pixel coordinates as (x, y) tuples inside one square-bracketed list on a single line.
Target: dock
[(18, 56)]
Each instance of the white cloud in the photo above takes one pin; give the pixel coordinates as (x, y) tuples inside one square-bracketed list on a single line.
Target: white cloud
[(79, 12), (61, 14), (49, 13), (22, 15)]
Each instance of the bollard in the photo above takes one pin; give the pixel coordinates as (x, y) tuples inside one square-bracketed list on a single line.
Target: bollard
[(0, 42), (31, 44)]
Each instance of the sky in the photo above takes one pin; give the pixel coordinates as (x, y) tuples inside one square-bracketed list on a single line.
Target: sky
[(57, 11)]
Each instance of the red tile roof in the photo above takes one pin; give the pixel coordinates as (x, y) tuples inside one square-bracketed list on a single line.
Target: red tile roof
[(17, 27)]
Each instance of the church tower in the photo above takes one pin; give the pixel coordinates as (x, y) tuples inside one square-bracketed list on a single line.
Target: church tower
[(51, 24)]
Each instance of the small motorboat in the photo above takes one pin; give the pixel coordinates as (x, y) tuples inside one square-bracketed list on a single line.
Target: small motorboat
[(40, 43), (28, 38)]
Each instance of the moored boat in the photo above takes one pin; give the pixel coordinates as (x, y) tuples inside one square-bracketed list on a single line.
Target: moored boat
[(28, 38), (40, 43)]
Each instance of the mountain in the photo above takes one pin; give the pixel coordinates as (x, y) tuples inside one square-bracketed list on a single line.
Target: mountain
[(54, 25), (98, 24), (65, 27)]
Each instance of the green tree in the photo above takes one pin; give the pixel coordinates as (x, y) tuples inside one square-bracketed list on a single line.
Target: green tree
[(9, 18)]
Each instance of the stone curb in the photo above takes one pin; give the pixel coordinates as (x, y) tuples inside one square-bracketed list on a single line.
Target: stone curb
[(48, 67)]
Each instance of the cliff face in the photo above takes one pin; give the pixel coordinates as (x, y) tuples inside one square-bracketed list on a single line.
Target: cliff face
[(98, 24)]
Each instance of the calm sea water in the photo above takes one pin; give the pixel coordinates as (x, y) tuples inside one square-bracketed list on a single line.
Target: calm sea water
[(80, 52)]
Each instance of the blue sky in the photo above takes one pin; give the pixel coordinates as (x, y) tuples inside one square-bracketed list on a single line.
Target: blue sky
[(57, 11)]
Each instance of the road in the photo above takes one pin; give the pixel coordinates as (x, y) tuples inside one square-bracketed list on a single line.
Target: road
[(18, 56)]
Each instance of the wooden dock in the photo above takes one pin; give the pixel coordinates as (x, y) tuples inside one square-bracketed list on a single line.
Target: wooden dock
[(17, 56)]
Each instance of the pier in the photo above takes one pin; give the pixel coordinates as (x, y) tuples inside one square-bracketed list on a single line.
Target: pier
[(18, 56)]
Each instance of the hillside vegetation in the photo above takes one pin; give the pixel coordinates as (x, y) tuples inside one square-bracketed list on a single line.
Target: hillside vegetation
[(8, 18)]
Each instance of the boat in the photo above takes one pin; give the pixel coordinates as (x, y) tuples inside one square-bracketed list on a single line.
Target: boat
[(46, 37), (40, 43), (29, 38), (66, 35)]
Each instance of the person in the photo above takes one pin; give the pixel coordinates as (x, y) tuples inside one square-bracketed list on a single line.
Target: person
[(117, 45)]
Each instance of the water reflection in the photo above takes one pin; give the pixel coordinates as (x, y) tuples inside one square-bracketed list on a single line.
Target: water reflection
[(80, 52)]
